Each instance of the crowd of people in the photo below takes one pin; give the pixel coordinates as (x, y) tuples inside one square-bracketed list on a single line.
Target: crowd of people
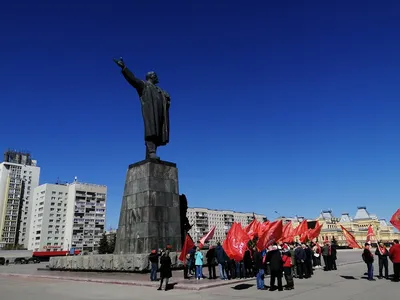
[(279, 261), (290, 261)]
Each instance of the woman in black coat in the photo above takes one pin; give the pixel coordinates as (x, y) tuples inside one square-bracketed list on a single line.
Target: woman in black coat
[(165, 269)]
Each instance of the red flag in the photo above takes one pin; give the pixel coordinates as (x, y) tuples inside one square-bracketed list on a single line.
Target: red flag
[(304, 237), (270, 236), (207, 237), (371, 235), (314, 233), (262, 228), (395, 220), (236, 242), (301, 228), (252, 229), (187, 246), (351, 241), (287, 233)]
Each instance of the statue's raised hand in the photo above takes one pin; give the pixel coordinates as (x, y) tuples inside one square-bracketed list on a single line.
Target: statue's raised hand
[(119, 62)]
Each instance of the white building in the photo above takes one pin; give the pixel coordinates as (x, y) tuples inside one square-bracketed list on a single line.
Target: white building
[(19, 176), (203, 219), (68, 216)]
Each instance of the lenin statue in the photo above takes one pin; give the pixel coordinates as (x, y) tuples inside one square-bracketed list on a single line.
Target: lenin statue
[(155, 109)]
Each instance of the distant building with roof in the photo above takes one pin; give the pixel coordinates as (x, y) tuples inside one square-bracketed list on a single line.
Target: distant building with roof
[(357, 226)]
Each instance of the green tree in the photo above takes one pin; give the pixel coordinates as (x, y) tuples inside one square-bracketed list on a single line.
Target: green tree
[(111, 245), (13, 247), (103, 245)]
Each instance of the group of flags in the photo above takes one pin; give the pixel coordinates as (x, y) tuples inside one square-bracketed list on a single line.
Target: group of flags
[(268, 233)]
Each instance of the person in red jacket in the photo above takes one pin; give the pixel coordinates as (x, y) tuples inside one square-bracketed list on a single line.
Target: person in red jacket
[(394, 254), (287, 267)]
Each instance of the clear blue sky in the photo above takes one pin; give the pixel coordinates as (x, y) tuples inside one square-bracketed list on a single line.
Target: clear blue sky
[(276, 105)]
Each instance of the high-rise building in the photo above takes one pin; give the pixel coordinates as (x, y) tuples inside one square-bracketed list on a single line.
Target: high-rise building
[(203, 219), (66, 216), (19, 176)]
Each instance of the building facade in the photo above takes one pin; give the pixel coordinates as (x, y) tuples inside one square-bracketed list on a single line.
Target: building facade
[(203, 219), (19, 176), (68, 216)]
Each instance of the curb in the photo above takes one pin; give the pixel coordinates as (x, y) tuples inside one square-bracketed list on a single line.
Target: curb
[(191, 287)]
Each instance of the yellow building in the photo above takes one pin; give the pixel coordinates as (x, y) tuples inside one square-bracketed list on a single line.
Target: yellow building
[(357, 226)]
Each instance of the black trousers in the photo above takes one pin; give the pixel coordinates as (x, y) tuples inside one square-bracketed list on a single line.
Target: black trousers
[(276, 275), (328, 262), (308, 271), (383, 263), (300, 269), (211, 271), (248, 269), (185, 271), (288, 277), (396, 271), (333, 264)]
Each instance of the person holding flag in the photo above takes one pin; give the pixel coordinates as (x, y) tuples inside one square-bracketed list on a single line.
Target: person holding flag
[(383, 255)]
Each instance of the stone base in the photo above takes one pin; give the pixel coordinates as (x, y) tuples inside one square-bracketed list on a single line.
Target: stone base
[(150, 212), (109, 262)]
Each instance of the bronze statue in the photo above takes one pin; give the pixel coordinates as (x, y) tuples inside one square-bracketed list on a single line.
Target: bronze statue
[(155, 109)]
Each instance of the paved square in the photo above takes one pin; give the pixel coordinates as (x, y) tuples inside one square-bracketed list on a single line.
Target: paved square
[(345, 284)]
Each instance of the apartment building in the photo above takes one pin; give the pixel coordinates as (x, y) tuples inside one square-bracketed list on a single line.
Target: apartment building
[(203, 219), (19, 176), (68, 216)]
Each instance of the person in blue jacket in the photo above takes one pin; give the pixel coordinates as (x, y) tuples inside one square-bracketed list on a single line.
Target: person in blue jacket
[(198, 257)]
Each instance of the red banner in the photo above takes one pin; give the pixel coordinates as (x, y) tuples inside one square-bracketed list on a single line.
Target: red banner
[(351, 241), (395, 220), (236, 242), (287, 233)]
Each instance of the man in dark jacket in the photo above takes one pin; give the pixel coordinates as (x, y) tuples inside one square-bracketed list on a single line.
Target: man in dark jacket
[(259, 268), (153, 258), (210, 256), (300, 257), (221, 259), (192, 265), (274, 258), (248, 264), (308, 269), (368, 258), (333, 255)]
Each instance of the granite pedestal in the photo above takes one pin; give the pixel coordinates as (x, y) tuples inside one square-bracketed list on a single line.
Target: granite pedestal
[(150, 214)]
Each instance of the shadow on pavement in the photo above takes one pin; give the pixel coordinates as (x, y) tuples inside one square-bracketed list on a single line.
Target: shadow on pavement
[(348, 277), (243, 286)]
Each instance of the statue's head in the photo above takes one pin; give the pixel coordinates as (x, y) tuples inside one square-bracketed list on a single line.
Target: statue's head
[(152, 77)]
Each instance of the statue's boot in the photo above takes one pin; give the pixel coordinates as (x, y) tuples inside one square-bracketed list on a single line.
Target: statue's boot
[(151, 150)]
